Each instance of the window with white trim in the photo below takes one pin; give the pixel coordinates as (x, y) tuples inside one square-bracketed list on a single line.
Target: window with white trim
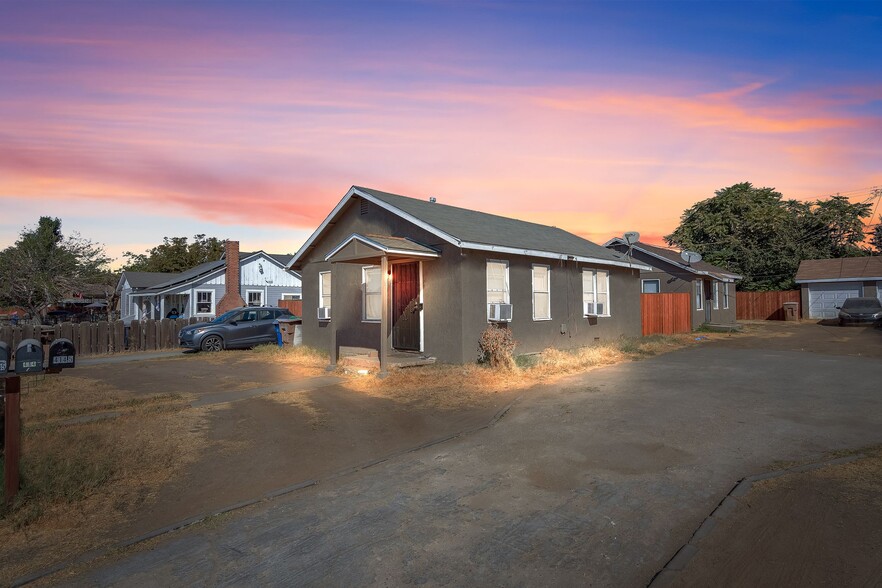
[(541, 293), (254, 297), (699, 294), (497, 284), (372, 293), (204, 301), (595, 292), (325, 289), (651, 286), (726, 295), (716, 295), (289, 297)]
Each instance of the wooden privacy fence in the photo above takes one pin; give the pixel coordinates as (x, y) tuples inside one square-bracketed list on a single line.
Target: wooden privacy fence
[(103, 337), (665, 314), (295, 306), (764, 305)]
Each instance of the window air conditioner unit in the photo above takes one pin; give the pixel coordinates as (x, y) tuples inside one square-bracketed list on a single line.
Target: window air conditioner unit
[(589, 309), (500, 313), (324, 313)]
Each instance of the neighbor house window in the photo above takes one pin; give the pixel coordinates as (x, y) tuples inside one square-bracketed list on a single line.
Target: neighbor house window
[(290, 297), (716, 296), (699, 295), (255, 297), (595, 292), (204, 301), (726, 295), (325, 289), (541, 293), (651, 286), (497, 284), (372, 293)]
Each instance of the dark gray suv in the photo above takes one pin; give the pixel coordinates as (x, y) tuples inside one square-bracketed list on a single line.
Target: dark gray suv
[(240, 327)]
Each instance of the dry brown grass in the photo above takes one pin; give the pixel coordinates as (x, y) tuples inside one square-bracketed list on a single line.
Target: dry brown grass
[(446, 386), (88, 478)]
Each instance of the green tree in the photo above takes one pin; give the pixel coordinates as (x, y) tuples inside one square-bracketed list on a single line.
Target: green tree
[(44, 266), (758, 234), (175, 254), (876, 237)]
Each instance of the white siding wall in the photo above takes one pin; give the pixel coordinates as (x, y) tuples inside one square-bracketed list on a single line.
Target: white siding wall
[(252, 276)]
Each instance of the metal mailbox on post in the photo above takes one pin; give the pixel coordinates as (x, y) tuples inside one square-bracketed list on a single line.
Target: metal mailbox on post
[(62, 354), (4, 358), (29, 357)]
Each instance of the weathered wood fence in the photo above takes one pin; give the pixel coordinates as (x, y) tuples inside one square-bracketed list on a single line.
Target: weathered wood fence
[(103, 337), (764, 305), (665, 314), (295, 306)]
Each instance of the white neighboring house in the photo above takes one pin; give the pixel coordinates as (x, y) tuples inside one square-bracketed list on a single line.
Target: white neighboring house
[(197, 292)]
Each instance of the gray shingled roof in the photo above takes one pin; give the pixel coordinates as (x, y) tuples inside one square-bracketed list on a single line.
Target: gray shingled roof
[(843, 268), (147, 279), (193, 272), (490, 229), (674, 257)]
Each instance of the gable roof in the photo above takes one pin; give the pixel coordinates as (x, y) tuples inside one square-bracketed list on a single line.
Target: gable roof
[(672, 257), (146, 279), (843, 269), (470, 229), (281, 259)]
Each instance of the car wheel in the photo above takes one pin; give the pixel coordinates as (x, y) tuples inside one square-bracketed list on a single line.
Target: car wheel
[(212, 343)]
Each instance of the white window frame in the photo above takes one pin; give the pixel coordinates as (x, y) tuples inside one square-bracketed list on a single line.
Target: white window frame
[(642, 282), (698, 294), (546, 291), (506, 298), (196, 303), (290, 296), (716, 295), (364, 293), (248, 294), (321, 292), (726, 295), (591, 274)]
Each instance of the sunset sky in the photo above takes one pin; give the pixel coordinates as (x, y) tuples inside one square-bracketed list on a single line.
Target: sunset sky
[(249, 120)]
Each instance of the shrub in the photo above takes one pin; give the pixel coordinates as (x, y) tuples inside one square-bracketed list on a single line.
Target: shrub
[(496, 346)]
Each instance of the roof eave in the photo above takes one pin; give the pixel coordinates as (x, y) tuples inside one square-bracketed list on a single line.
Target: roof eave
[(553, 255)]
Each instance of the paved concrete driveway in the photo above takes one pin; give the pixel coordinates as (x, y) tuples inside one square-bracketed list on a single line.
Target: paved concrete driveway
[(595, 482)]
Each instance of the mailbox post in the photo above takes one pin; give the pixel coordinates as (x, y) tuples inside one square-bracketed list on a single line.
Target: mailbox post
[(28, 359)]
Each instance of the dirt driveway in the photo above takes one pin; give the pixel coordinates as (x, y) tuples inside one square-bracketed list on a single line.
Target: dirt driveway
[(597, 480)]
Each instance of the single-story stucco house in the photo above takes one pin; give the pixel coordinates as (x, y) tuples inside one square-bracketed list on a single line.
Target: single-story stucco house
[(262, 279), (403, 275), (711, 288), (826, 283)]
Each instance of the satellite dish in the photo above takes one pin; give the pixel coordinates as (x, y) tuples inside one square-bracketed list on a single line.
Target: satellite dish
[(632, 237), (690, 257)]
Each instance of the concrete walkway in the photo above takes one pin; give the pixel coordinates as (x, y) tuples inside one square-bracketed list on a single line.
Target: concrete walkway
[(597, 482)]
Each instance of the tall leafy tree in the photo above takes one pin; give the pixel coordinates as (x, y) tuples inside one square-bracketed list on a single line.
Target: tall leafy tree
[(175, 254), (758, 234), (44, 266)]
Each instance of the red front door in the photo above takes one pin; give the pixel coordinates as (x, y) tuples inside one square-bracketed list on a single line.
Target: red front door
[(406, 306)]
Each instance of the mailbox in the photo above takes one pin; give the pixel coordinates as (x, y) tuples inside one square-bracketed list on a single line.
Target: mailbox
[(29, 357), (61, 354), (4, 358)]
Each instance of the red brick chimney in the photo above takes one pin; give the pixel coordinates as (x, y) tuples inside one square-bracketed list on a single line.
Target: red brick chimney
[(232, 297)]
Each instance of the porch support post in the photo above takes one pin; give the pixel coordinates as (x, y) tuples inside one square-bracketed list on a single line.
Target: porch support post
[(161, 306), (332, 324), (385, 344)]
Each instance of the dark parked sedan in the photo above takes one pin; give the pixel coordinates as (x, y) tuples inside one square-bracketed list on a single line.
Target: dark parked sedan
[(861, 311), (240, 327)]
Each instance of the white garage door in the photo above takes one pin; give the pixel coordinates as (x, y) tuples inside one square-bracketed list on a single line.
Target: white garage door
[(824, 298)]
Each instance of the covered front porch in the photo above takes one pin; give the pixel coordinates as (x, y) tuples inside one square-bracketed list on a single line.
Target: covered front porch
[(159, 306), (391, 309)]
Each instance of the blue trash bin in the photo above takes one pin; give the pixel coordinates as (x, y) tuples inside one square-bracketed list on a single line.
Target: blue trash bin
[(278, 333)]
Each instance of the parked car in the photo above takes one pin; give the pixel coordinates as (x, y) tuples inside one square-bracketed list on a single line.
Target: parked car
[(240, 327), (861, 311)]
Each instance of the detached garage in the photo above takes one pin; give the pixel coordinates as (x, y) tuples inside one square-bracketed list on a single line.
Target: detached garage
[(826, 283)]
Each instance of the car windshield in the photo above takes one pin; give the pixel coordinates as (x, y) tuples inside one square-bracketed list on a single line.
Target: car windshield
[(224, 317), (869, 304)]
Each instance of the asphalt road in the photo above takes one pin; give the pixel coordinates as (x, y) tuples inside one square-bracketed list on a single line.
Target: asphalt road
[(597, 481)]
